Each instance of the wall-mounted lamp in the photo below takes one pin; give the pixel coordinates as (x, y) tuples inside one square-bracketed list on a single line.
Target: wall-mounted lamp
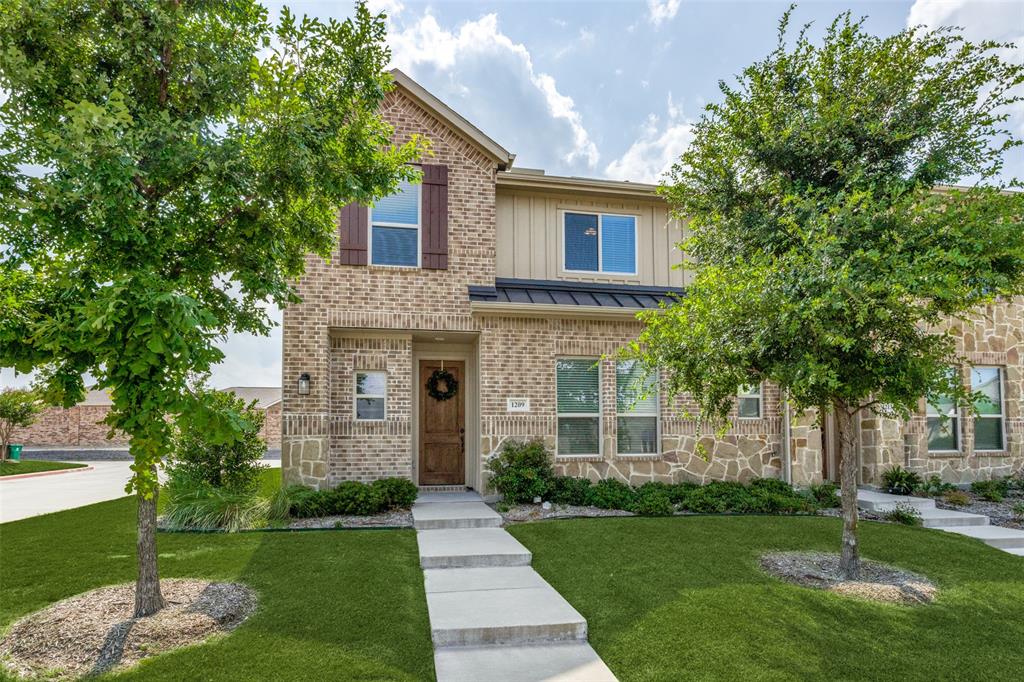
[(304, 383)]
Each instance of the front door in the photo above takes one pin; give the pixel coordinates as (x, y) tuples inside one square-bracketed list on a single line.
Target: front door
[(442, 427)]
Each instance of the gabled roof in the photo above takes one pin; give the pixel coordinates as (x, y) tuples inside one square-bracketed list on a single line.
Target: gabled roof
[(502, 156), (265, 396)]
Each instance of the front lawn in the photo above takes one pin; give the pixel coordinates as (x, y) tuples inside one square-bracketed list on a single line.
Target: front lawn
[(683, 598), (32, 466), (337, 605)]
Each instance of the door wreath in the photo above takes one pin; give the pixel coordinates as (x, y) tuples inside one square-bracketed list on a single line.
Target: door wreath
[(447, 379)]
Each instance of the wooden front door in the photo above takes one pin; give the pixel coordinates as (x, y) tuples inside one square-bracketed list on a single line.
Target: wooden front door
[(442, 458)]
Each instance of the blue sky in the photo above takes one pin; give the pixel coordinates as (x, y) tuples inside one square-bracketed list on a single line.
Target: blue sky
[(602, 89)]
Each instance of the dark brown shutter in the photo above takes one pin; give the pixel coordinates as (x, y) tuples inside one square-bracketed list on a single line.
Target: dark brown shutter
[(435, 217), (353, 225)]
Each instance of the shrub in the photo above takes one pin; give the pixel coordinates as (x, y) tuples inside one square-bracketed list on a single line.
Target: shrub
[(718, 497), (396, 493), (772, 485), (993, 490), (900, 481), (304, 503), (194, 504), (957, 498), (353, 497), (569, 490), (1018, 511), (904, 514), (825, 494), (234, 465), (653, 501), (611, 493), (521, 471), (934, 486), (678, 492)]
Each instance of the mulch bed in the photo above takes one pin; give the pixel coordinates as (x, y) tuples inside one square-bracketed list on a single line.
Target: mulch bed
[(878, 582), (998, 513), (398, 518), (94, 632), (522, 513)]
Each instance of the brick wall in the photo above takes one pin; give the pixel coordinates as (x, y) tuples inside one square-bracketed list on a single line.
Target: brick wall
[(78, 426)]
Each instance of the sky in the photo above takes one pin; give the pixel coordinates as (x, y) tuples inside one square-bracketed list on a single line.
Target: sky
[(600, 89)]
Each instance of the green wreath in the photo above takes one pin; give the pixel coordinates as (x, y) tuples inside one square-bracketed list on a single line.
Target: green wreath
[(451, 385)]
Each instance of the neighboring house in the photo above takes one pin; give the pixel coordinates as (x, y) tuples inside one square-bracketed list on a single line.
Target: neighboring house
[(268, 399), (518, 284), (82, 425)]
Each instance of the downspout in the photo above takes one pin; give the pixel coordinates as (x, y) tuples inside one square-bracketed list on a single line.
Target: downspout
[(787, 455)]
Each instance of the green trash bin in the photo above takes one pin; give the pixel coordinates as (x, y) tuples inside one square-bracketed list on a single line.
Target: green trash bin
[(14, 452)]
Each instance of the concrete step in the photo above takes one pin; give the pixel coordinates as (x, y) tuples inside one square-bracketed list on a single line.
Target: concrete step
[(575, 662), (435, 515), (490, 616), (947, 518), (427, 496), (438, 580), (995, 536), (470, 548), (873, 501), (1019, 551)]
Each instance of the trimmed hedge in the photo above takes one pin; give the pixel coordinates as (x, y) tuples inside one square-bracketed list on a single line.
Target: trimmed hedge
[(348, 498)]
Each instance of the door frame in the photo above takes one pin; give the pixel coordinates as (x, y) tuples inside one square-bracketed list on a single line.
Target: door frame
[(467, 353)]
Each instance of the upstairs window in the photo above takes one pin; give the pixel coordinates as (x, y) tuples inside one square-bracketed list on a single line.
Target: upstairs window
[(371, 395), (748, 404), (578, 388), (988, 423), (636, 407), (600, 242), (395, 227)]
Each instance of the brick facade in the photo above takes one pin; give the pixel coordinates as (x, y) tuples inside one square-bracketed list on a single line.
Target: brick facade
[(384, 318), (79, 426)]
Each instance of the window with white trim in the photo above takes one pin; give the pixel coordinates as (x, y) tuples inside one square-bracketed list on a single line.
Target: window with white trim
[(636, 409), (599, 242), (748, 402), (988, 419), (578, 398), (395, 224), (943, 423), (371, 395)]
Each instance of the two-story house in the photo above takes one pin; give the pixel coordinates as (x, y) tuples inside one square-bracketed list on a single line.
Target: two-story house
[(481, 305)]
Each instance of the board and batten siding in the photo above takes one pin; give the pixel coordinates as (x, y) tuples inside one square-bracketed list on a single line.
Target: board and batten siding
[(530, 244)]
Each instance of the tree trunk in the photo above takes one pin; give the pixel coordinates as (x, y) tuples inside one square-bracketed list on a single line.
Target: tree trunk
[(849, 560), (148, 599)]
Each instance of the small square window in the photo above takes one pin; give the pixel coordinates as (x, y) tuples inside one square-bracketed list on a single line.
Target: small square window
[(748, 404), (599, 242), (371, 395)]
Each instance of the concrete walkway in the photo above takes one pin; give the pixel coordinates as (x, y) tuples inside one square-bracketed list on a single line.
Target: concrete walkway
[(972, 525), (492, 617)]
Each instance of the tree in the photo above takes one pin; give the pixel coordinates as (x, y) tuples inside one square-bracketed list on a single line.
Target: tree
[(19, 407), (166, 166), (826, 260)]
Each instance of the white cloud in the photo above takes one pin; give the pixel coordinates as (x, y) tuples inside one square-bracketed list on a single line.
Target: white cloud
[(493, 76), (659, 146), (659, 11)]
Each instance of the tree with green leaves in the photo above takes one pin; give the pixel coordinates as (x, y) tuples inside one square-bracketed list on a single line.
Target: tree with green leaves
[(827, 258), (165, 167), (19, 408)]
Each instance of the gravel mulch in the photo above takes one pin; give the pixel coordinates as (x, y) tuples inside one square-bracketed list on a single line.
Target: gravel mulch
[(879, 582), (522, 513), (998, 513), (94, 632), (398, 518)]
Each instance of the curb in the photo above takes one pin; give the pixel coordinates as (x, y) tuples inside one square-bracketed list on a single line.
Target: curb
[(75, 470)]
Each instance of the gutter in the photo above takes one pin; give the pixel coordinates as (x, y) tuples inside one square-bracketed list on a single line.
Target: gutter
[(592, 312)]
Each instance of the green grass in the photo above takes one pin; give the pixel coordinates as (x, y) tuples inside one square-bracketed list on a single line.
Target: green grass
[(344, 605), (32, 466), (683, 598)]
